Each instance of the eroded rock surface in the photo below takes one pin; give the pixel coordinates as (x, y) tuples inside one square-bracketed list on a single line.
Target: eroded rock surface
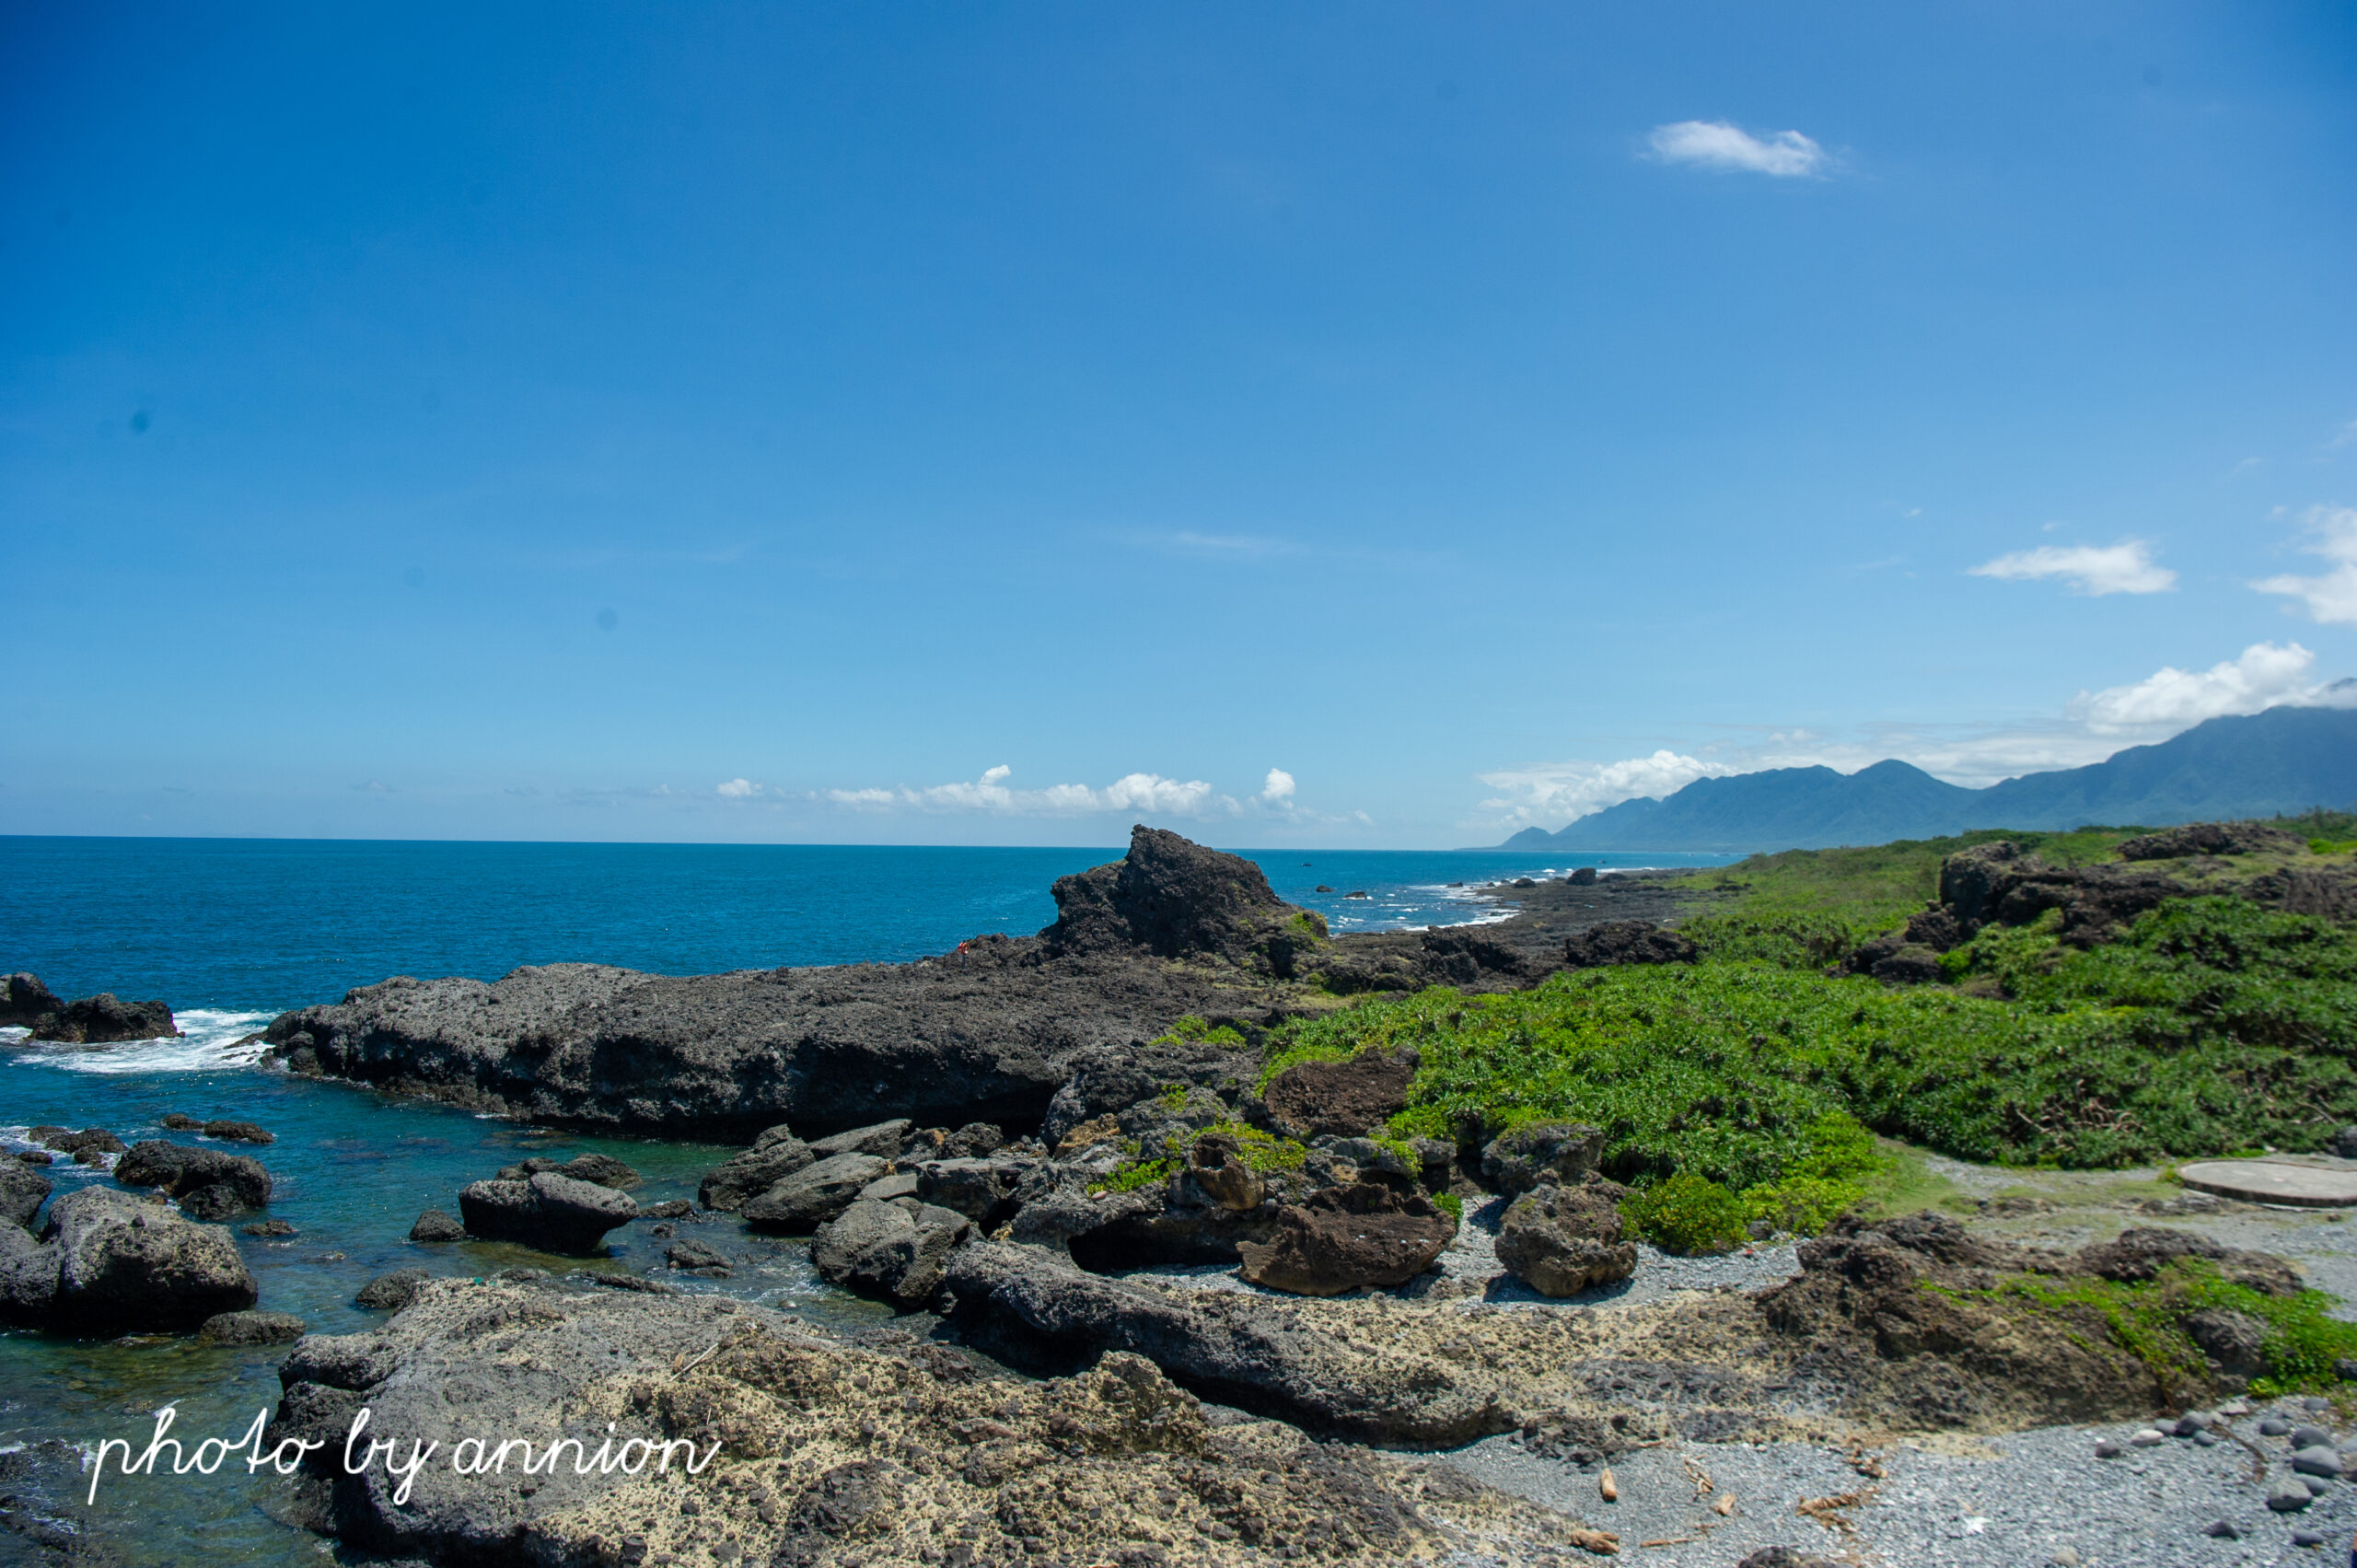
[(553, 1213), (830, 1452), (1344, 1238), (1561, 1240)]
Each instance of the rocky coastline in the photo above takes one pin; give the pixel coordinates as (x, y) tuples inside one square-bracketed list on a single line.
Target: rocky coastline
[(1154, 1300)]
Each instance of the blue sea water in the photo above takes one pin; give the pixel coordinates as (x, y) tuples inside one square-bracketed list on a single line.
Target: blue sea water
[(231, 932)]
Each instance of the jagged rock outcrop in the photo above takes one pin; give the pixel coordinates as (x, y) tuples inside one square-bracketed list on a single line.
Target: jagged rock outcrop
[(1175, 899), (799, 1203), (1514, 1161), (988, 1033), (28, 1005)]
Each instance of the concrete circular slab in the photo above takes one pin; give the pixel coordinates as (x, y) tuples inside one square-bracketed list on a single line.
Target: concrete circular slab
[(2263, 1181)]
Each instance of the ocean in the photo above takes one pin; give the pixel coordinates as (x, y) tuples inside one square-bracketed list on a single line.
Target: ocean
[(232, 932)]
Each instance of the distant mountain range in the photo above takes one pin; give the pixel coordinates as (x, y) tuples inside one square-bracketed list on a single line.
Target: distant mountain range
[(2280, 762)]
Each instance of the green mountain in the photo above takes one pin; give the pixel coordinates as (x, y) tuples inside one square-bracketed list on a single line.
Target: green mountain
[(2276, 763)]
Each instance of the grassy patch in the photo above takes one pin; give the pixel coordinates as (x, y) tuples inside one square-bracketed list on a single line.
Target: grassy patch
[(1873, 889), (1190, 1027), (1259, 1151)]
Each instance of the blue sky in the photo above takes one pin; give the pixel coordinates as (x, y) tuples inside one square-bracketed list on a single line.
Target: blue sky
[(1323, 424)]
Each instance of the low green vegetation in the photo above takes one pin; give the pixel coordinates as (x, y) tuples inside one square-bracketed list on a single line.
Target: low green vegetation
[(1192, 1029), (1860, 891), (1261, 1151), (2211, 1025), (2302, 1347)]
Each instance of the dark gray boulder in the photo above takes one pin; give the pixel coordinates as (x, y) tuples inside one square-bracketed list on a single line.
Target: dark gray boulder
[(183, 1169), (981, 1189), (22, 1192), (213, 1203), (390, 1293), (27, 1278), (892, 1250), (884, 1140), (696, 1257), (801, 1203), (1513, 1161), (555, 1213), (25, 1001), (238, 1132), (435, 1224), (1561, 1240), (973, 1139), (899, 1184), (726, 1187), (253, 1328), (2212, 838), (1108, 1081), (126, 1264)]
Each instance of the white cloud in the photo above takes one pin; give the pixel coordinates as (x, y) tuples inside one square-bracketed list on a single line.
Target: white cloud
[(1278, 788), (2127, 567), (1568, 791), (738, 789), (2264, 677), (2330, 599), (1713, 144), (1132, 791)]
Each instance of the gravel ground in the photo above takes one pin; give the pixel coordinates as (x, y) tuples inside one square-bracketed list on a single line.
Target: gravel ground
[(2021, 1501), (2030, 1498)]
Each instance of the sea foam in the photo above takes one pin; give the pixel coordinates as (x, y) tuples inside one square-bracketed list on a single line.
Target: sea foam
[(210, 1040)]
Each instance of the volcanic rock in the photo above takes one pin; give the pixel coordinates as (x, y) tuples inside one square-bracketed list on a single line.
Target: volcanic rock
[(1347, 1237), (552, 1213), (1215, 1161), (1346, 1098), (214, 1202), (2139, 1255), (253, 1328), (27, 1278), (726, 1186), (604, 1170), (93, 1020), (1562, 1240), (21, 1192), (974, 1139), (436, 1224), (239, 1133), (390, 1293), (696, 1257), (183, 1168), (894, 1251), (981, 1189), (126, 1265), (2211, 838), (799, 1203), (1177, 900), (882, 1448), (884, 1140), (1514, 1161), (1626, 942)]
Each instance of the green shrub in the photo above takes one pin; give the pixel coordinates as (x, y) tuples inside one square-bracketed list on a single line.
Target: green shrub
[(1688, 1214), (1450, 1204)]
